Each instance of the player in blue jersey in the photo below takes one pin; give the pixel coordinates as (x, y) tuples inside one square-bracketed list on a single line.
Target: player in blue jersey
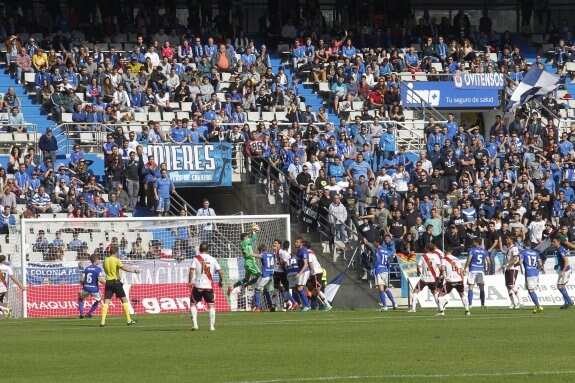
[(303, 274), (564, 270), (380, 271), (477, 262), (265, 279), (89, 281), (292, 269), (531, 261)]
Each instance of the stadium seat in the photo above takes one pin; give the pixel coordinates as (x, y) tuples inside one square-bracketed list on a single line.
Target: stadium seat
[(35, 256), (67, 117), (186, 106), (357, 105), (268, 116), (438, 67), (70, 256), (281, 116), (253, 116), (181, 115), (140, 116), (29, 77), (155, 116), (169, 116)]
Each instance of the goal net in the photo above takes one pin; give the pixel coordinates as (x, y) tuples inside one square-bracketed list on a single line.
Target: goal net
[(54, 252)]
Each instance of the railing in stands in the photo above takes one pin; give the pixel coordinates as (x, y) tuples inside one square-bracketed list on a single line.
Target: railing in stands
[(425, 110)]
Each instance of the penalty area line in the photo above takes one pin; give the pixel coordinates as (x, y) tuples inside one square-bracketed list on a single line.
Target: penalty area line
[(411, 376)]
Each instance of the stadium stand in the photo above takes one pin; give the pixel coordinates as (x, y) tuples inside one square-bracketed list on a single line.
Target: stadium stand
[(332, 101)]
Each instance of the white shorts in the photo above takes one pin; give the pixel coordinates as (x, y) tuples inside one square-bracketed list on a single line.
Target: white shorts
[(302, 281), (292, 280), (563, 280), (382, 279), (84, 294), (531, 282), (263, 282), (475, 278)]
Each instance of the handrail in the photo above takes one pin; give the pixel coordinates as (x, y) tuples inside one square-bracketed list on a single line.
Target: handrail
[(424, 104), (182, 204)]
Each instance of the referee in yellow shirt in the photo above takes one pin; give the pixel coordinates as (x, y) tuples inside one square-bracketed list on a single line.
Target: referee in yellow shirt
[(112, 267)]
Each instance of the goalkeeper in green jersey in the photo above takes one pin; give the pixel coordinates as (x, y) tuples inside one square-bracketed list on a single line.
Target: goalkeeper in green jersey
[(252, 271)]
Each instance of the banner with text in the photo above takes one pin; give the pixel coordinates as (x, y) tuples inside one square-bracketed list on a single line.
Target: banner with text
[(496, 293), (466, 80), (444, 94), (59, 301), (208, 165)]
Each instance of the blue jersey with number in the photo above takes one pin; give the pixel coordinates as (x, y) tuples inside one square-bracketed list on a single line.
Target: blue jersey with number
[(91, 275), (292, 266), (302, 255), (478, 257), (530, 259), (381, 263), (561, 253), (268, 261)]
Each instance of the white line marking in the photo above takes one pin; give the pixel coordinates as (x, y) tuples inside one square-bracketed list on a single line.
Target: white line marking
[(412, 376)]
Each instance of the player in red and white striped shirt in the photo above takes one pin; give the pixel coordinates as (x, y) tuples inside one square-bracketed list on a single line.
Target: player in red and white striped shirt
[(452, 272), (428, 270)]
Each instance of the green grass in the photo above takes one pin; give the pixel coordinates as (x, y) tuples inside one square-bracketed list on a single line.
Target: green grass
[(492, 345)]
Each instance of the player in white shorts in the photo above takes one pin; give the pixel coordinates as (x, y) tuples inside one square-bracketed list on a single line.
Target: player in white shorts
[(314, 283), (477, 262), (511, 268), (452, 272), (428, 270), (5, 273), (531, 261)]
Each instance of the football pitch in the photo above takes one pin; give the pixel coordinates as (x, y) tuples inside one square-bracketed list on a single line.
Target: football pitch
[(492, 345)]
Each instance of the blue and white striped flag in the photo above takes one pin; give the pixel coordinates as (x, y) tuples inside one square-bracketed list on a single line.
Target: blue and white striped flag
[(536, 82), (333, 286)]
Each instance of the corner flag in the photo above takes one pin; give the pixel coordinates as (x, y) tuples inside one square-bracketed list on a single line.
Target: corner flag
[(333, 286), (536, 82)]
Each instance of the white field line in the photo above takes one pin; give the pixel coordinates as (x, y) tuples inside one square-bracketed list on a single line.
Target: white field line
[(411, 376)]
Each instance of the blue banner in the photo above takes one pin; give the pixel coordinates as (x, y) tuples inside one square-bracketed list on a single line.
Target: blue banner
[(207, 165), (465, 80), (52, 274), (444, 94)]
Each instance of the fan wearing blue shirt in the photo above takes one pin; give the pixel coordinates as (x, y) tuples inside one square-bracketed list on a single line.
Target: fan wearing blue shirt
[(163, 187), (564, 270), (360, 168), (91, 276)]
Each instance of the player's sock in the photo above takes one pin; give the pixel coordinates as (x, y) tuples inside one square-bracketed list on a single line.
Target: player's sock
[(104, 313), (465, 302), (81, 307), (440, 303), (436, 298), (297, 297), (3, 309), (565, 294), (303, 298), (238, 283), (382, 298), (268, 298), (252, 281), (93, 308), (194, 312), (534, 298), (414, 302), (390, 296), (470, 296), (126, 307), (482, 297), (257, 303), (212, 316)]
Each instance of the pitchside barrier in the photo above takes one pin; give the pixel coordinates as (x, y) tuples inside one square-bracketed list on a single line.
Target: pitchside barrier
[(50, 264), (495, 288)]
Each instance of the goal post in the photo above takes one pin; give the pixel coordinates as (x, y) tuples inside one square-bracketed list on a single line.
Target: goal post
[(53, 253)]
